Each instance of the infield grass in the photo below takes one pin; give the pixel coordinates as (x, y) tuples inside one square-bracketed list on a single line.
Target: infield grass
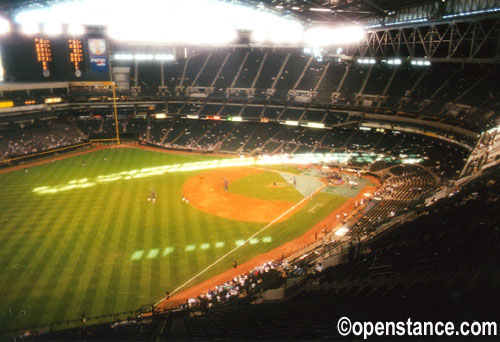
[(267, 185), (104, 248)]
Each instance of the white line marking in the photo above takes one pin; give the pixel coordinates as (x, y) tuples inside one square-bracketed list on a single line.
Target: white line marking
[(246, 241)]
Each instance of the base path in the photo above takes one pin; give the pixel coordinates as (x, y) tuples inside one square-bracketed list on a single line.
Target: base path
[(205, 192), (287, 249)]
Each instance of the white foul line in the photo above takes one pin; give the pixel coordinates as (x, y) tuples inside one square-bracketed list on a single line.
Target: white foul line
[(247, 240)]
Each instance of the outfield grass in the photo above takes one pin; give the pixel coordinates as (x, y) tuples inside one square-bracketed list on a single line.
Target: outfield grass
[(105, 248), (285, 168), (260, 185)]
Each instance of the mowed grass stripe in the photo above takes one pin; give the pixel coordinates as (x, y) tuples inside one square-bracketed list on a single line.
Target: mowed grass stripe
[(77, 302), (109, 224), (130, 246), (96, 290), (15, 254), (70, 294), (150, 282), (184, 238), (65, 254), (209, 233), (32, 256), (157, 240), (145, 234), (96, 304), (171, 269), (112, 292), (197, 257), (135, 280), (33, 281), (113, 225)]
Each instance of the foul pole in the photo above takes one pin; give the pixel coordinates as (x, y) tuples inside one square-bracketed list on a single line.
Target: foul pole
[(116, 114)]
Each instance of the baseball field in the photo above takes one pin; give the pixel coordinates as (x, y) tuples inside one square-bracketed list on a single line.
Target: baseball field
[(114, 229)]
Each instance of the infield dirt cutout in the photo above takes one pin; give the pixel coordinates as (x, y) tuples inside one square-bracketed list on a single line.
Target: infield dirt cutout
[(205, 192), (222, 200)]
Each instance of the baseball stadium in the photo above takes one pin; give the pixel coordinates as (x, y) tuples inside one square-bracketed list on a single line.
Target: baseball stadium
[(240, 170)]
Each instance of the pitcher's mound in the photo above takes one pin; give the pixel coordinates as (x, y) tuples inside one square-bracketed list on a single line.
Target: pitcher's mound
[(205, 192)]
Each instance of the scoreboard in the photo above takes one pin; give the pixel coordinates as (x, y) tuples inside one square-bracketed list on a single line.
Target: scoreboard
[(76, 55), (56, 59), (43, 54)]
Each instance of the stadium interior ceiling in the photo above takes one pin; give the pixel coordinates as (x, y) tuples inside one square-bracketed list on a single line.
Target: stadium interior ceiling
[(315, 11), (413, 103), (341, 10)]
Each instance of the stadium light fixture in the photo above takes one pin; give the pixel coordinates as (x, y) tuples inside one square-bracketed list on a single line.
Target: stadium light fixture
[(420, 62), (162, 57), (76, 29), (52, 29), (30, 28), (211, 21), (287, 34), (4, 26), (326, 36), (396, 61), (123, 57), (143, 57), (366, 61), (315, 125), (320, 36), (260, 36)]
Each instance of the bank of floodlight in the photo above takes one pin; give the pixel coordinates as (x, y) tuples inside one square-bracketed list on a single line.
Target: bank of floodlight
[(30, 28), (4, 26), (420, 62), (76, 29), (328, 36), (52, 29)]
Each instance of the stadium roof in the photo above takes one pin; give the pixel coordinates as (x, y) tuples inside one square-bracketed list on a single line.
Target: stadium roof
[(341, 10), (308, 10)]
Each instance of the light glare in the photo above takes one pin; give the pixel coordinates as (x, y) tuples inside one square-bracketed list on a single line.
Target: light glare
[(4, 26), (76, 29), (325, 36), (210, 21), (30, 28), (52, 29)]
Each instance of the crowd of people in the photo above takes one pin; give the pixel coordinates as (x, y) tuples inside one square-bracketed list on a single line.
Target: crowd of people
[(269, 275), (38, 137)]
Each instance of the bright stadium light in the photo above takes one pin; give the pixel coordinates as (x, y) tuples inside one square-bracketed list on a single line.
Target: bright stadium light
[(348, 34), (163, 57), (76, 29), (325, 36), (260, 36), (319, 36), (30, 28), (123, 57), (52, 29), (314, 9), (4, 26), (143, 57), (210, 21), (288, 34)]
